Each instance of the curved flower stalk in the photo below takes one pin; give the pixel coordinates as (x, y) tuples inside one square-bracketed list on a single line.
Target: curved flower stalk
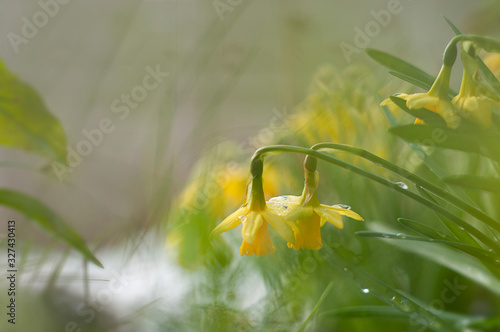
[(255, 215), (471, 103), (305, 213)]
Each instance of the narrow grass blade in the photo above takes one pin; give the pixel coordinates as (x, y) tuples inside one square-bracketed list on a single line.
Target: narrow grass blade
[(481, 254), (465, 265), (316, 307), (459, 233), (400, 66), (451, 139), (490, 184), (424, 229), (385, 293), (371, 311)]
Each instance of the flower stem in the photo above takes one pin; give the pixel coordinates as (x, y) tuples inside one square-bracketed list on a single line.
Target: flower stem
[(257, 201)]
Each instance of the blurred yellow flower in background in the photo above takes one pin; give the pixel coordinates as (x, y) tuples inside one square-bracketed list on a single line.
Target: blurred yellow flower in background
[(342, 107)]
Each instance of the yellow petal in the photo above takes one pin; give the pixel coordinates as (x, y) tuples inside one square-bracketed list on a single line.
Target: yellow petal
[(282, 205), (307, 234), (418, 121), (421, 100), (344, 212), (447, 112), (261, 246), (329, 215), (388, 101), (251, 224), (279, 225), (230, 222), (299, 212)]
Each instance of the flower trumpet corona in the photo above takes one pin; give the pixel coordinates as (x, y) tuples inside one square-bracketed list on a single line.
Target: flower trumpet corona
[(255, 215), (470, 102), (306, 215)]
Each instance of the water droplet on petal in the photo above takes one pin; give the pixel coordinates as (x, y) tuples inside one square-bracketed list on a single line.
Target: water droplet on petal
[(342, 206), (279, 199), (402, 185), (242, 218)]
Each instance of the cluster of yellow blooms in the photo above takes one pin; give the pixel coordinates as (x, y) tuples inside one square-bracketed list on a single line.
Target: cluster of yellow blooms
[(342, 106), (297, 219), (474, 102)]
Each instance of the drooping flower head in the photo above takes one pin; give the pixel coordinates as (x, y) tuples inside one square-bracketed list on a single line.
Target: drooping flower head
[(255, 215), (473, 102), (306, 215), (436, 99)]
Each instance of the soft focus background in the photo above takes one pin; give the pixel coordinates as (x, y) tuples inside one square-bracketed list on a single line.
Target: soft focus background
[(230, 69)]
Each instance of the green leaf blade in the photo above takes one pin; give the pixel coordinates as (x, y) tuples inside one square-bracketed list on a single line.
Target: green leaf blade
[(483, 183), (449, 139), (47, 219), (400, 66), (25, 122)]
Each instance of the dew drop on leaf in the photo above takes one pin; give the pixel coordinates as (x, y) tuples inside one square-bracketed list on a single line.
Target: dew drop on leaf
[(402, 185)]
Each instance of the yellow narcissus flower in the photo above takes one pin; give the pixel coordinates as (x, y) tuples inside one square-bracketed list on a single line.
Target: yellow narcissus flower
[(306, 215), (307, 220), (435, 100), (256, 239), (470, 102), (255, 216), (473, 106)]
